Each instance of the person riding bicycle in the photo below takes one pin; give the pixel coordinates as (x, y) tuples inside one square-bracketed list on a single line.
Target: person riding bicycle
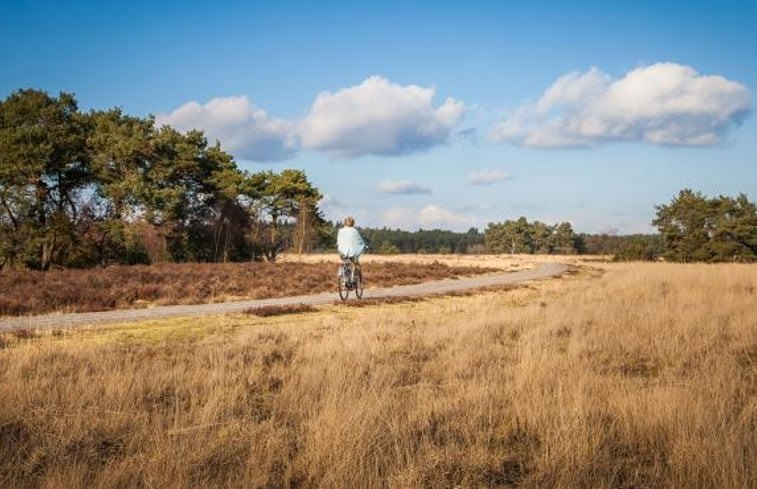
[(349, 243)]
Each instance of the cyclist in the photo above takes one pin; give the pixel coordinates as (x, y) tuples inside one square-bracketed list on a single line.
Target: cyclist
[(350, 244)]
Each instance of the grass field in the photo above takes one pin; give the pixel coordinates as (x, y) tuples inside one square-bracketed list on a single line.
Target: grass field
[(620, 376)]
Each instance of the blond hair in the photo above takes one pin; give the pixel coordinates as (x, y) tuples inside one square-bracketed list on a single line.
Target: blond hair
[(349, 221)]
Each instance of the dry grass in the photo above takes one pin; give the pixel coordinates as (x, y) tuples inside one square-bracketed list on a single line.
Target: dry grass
[(644, 376), (376, 301), (117, 287), (504, 262), (274, 310)]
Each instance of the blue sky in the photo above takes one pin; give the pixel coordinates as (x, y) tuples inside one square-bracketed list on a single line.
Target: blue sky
[(428, 114)]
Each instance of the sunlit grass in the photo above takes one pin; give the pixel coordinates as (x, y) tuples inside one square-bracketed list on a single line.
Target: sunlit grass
[(642, 375)]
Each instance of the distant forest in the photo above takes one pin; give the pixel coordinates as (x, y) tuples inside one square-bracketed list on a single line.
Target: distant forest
[(495, 239), (83, 189), (692, 228)]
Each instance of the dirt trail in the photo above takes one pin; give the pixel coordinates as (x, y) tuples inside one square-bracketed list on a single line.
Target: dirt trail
[(128, 315)]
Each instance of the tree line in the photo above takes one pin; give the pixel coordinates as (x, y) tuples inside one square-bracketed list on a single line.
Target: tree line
[(512, 236), (626, 247), (393, 241), (694, 227), (101, 187), (521, 236)]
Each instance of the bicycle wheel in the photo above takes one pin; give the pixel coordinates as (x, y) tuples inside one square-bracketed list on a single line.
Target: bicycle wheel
[(359, 283), (343, 290)]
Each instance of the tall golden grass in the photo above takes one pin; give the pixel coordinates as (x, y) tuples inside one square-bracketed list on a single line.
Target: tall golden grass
[(642, 376)]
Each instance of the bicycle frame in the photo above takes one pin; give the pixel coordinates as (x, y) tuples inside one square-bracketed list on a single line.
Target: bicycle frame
[(350, 278)]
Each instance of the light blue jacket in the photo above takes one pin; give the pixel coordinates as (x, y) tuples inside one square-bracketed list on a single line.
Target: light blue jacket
[(349, 242)]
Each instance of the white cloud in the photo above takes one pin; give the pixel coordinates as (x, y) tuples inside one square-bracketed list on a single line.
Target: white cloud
[(398, 218), (380, 118), (243, 129), (475, 208), (333, 208), (329, 202), (403, 187), (375, 117), (439, 216), (664, 103), (428, 217), (487, 177)]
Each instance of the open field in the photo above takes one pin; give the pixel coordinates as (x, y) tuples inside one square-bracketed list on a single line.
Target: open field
[(623, 375), (118, 287)]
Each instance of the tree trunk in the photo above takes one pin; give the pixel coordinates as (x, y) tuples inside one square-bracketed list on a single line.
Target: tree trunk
[(47, 254), (273, 250), (302, 232)]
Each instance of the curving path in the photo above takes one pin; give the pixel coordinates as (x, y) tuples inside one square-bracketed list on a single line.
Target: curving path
[(127, 315)]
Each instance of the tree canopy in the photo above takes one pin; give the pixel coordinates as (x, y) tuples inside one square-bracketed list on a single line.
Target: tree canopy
[(391, 241), (696, 228), (521, 236), (84, 188)]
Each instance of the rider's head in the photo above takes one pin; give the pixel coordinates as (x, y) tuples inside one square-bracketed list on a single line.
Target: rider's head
[(349, 221)]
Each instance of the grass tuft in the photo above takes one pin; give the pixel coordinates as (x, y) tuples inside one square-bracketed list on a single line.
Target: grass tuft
[(24, 334), (378, 301), (275, 310)]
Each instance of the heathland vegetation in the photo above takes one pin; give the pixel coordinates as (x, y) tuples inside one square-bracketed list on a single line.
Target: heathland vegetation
[(629, 375), (119, 286)]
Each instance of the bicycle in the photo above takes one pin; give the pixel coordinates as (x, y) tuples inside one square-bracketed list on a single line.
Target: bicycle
[(350, 278)]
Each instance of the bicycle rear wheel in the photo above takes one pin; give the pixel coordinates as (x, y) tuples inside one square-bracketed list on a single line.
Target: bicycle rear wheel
[(343, 290), (359, 283)]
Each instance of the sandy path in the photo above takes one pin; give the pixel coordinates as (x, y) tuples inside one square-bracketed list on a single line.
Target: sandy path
[(127, 315)]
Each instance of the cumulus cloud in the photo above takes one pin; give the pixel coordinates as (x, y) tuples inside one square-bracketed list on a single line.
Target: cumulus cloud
[(487, 177), (329, 202), (402, 187), (380, 118), (376, 117), (663, 103), (333, 208), (438, 216), (430, 216), (245, 130)]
